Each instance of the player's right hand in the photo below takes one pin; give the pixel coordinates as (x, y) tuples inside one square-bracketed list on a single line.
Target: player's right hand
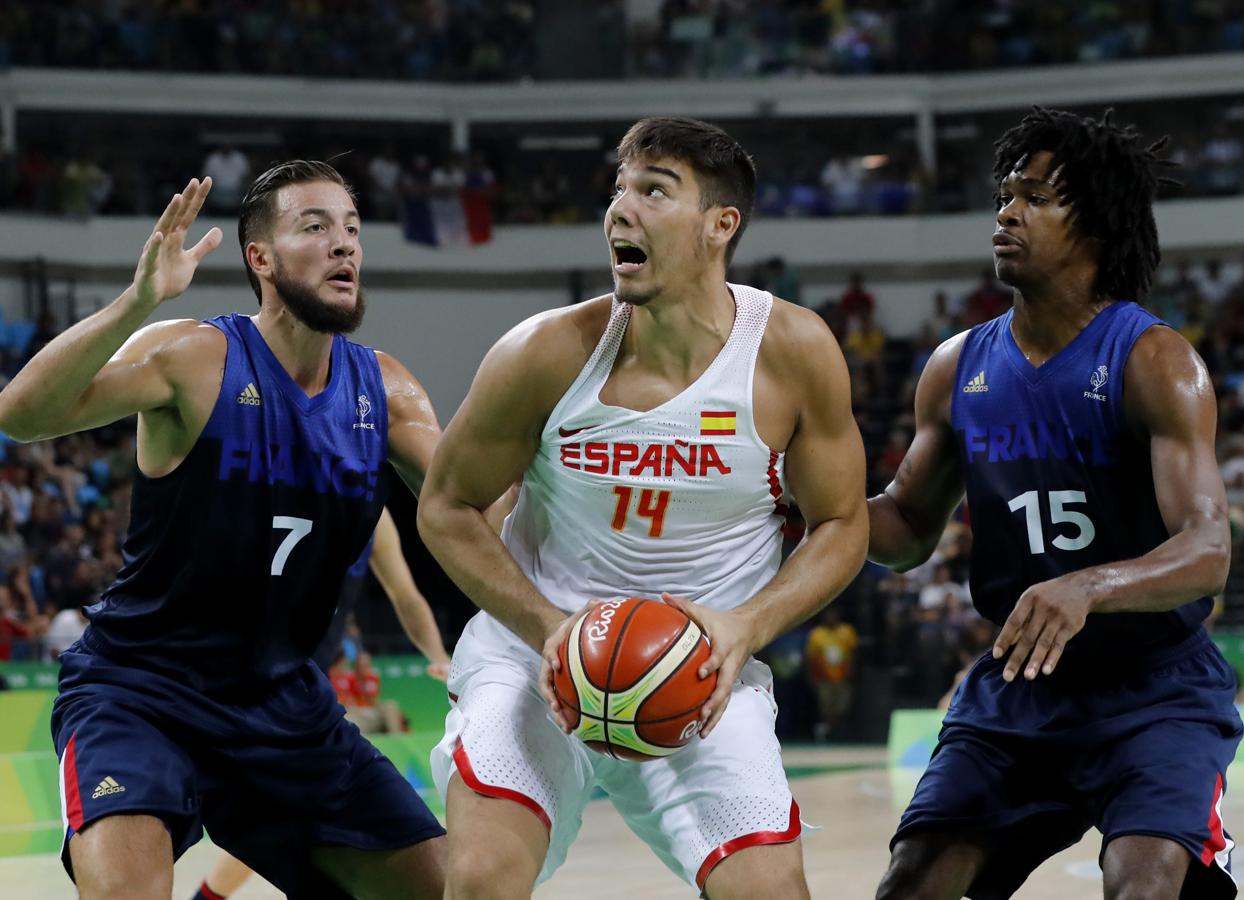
[(550, 663), (166, 266)]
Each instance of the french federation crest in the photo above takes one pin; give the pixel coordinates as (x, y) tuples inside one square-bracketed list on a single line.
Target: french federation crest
[(364, 410), (1097, 380)]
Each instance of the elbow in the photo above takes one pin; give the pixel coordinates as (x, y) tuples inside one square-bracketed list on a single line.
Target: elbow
[(1217, 565)]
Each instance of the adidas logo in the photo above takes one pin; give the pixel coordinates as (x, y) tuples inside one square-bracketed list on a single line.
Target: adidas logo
[(250, 396), (976, 385), (107, 786)]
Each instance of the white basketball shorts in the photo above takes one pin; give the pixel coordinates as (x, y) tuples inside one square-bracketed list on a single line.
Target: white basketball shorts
[(716, 796)]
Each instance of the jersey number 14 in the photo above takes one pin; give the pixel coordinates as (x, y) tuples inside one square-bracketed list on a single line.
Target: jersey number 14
[(1030, 503)]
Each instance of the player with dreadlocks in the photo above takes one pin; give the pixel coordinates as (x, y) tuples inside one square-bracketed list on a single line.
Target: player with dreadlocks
[(1082, 430)]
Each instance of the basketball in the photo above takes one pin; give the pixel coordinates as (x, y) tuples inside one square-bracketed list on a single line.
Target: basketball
[(628, 678)]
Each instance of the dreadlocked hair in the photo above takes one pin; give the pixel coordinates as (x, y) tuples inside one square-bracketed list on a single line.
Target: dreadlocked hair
[(1109, 178)]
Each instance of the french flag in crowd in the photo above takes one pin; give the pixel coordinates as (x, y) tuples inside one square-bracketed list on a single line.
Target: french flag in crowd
[(448, 218)]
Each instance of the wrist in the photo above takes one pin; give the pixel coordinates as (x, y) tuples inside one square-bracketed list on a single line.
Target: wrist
[(132, 302)]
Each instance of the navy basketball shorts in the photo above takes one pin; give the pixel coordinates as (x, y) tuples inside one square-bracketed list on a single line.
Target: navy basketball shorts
[(271, 780), (1031, 766)]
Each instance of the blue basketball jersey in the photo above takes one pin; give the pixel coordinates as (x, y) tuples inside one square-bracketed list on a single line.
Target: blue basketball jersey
[(1056, 479), (233, 561)]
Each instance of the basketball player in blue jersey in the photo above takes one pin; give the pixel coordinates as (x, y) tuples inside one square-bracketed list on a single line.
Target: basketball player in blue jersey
[(1082, 429), (190, 701)]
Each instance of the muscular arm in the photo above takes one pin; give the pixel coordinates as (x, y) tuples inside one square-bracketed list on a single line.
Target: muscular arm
[(413, 428), (99, 370), (907, 520), (825, 472), (1169, 400), (1170, 397), (486, 448), (389, 566)]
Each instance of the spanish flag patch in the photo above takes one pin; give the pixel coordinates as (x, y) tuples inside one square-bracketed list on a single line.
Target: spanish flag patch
[(717, 423)]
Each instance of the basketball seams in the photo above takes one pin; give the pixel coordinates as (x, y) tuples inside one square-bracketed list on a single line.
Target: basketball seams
[(613, 660)]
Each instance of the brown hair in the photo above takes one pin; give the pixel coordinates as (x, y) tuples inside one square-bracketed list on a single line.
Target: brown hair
[(726, 174), (259, 204)]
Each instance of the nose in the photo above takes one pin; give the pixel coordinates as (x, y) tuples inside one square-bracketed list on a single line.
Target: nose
[(618, 210), (1008, 215), (345, 244)]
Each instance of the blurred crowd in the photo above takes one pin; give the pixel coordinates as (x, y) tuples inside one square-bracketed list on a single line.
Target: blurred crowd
[(392, 179), (733, 38), (422, 40), (477, 40)]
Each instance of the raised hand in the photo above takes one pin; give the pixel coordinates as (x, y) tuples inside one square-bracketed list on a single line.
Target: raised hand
[(166, 266)]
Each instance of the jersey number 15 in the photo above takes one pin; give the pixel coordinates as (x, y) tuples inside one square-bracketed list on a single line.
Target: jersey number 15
[(1030, 503)]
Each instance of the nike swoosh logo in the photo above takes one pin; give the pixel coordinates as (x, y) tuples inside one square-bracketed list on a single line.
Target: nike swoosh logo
[(570, 432)]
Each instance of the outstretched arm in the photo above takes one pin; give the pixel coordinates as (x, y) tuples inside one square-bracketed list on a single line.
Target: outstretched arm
[(907, 520), (99, 370), (1170, 400), (389, 566)]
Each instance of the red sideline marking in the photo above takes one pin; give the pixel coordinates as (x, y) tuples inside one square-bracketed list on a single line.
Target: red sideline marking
[(73, 797), (1217, 840), (775, 486), (755, 839), (488, 790)]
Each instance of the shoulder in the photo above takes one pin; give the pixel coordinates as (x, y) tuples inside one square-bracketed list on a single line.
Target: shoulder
[(1164, 377), (797, 340), (553, 346), (187, 344)]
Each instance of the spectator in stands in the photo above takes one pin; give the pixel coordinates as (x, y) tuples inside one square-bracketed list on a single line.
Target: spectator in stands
[(856, 301), (987, 301), (886, 466), (864, 347), (779, 278), (830, 655), (1212, 285), (230, 170), (383, 715), (943, 594), (384, 181), (84, 187), (66, 627)]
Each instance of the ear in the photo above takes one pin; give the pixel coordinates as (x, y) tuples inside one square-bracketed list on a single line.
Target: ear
[(723, 225), (259, 258)]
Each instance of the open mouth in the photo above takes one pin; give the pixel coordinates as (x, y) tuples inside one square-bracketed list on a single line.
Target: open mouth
[(627, 257), (342, 278)]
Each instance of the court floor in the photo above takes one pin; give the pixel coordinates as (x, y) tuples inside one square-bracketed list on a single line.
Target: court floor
[(847, 793)]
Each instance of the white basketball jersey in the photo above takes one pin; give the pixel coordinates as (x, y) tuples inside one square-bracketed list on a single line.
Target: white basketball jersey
[(684, 498)]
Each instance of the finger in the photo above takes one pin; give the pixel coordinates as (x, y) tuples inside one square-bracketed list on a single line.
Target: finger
[(1012, 627), (169, 216), (1055, 654), (715, 707), (1040, 652), (195, 201), (1019, 654), (206, 244), (151, 252)]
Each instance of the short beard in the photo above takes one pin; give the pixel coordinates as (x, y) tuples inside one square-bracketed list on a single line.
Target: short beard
[(313, 312)]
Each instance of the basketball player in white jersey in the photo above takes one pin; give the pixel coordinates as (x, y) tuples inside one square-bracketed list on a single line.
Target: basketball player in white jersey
[(657, 432)]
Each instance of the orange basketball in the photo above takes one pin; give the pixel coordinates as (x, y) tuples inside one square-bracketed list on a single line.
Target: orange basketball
[(629, 678)]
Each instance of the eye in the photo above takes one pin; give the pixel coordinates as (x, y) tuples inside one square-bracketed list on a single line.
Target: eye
[(1001, 200), (315, 226), (1037, 200), (352, 229), (656, 191)]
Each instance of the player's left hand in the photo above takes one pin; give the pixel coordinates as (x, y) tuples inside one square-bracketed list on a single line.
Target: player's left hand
[(730, 639), (1046, 617)]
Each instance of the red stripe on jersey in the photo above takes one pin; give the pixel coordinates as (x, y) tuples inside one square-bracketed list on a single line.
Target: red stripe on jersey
[(775, 486), (716, 432), (755, 839), (708, 414), (1217, 840), (73, 797), (488, 790)]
